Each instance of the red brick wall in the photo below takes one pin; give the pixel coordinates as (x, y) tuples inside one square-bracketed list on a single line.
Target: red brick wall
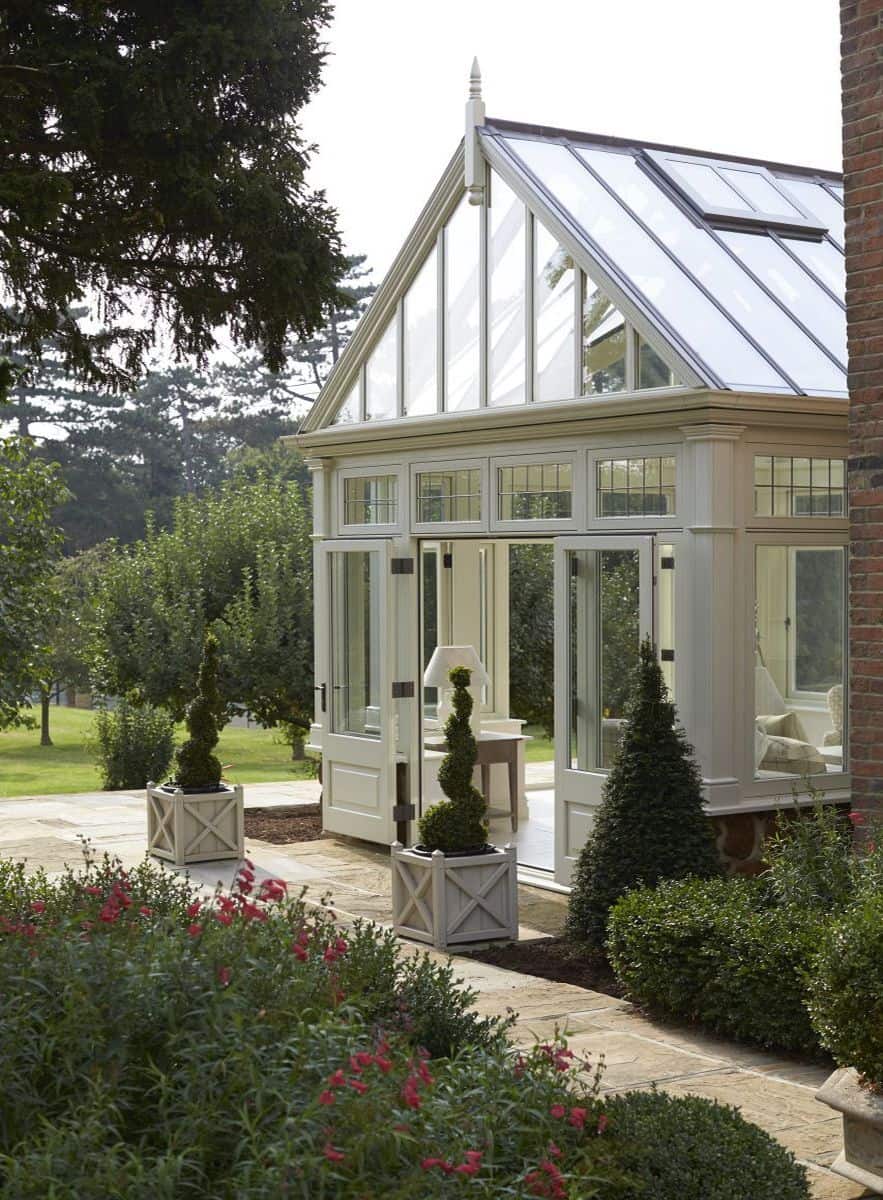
[(861, 24)]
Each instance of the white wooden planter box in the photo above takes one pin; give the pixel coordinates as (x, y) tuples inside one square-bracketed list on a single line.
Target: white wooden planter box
[(192, 827), (450, 899), (861, 1158)]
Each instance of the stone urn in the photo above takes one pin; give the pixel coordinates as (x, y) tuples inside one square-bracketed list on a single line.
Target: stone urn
[(861, 1158), (188, 826), (455, 899)]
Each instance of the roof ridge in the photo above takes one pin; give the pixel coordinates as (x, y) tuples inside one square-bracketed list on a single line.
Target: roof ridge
[(603, 139)]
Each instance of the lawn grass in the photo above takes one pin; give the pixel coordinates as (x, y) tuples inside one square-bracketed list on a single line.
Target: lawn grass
[(250, 755), (540, 748)]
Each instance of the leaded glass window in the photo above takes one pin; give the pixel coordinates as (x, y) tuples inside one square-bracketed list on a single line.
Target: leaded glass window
[(449, 496), (636, 487), (535, 492), (371, 500), (799, 487)]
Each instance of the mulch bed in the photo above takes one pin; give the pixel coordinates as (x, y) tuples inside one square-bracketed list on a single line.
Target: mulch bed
[(289, 823), (554, 958)]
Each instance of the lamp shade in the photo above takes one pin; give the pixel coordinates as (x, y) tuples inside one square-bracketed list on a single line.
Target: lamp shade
[(445, 658)]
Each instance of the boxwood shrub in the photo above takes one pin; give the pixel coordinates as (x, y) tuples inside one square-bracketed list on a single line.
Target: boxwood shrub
[(686, 1148), (846, 991), (720, 952)]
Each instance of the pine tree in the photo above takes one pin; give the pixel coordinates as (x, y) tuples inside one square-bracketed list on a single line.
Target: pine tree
[(460, 822), (198, 767), (651, 824)]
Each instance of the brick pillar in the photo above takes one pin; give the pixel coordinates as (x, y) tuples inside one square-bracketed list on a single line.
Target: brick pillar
[(861, 26)]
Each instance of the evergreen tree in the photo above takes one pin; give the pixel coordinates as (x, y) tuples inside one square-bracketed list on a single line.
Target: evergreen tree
[(198, 766), (460, 822), (651, 824)]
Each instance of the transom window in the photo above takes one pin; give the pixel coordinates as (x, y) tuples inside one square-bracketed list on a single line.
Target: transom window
[(535, 492), (636, 487), (799, 487), (371, 500), (449, 495)]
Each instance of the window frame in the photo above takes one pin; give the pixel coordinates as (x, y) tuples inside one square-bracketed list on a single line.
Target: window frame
[(440, 529), (612, 453), (379, 530), (826, 526), (574, 522)]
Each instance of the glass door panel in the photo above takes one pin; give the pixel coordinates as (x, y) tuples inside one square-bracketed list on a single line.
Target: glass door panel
[(355, 643)]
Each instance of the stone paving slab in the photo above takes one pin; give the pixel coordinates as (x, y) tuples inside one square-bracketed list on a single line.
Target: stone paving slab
[(773, 1090)]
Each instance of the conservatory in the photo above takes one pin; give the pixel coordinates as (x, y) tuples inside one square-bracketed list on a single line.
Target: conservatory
[(600, 394)]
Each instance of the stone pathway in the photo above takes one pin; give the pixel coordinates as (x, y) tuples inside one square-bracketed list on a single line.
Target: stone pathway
[(776, 1092)]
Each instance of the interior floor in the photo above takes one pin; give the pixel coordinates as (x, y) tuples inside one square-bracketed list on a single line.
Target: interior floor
[(535, 838)]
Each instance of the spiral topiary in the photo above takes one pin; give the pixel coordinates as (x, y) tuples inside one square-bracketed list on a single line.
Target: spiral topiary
[(197, 766), (460, 822)]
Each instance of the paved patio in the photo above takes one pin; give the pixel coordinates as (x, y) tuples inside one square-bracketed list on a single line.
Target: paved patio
[(774, 1091)]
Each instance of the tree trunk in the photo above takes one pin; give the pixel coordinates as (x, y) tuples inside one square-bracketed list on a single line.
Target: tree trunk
[(297, 747), (45, 739)]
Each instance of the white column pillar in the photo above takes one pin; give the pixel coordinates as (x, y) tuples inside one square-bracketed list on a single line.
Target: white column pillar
[(713, 673), (322, 510)]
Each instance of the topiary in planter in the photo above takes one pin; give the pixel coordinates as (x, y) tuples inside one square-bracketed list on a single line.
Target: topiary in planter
[(198, 767), (460, 822), (651, 824)]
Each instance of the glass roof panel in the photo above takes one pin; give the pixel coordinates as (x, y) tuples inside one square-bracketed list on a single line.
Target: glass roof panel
[(710, 187), (797, 290), (647, 269), (820, 203), (824, 260), (764, 319), (759, 192)]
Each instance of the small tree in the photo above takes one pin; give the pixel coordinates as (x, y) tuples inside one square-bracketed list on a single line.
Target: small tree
[(460, 822), (650, 825), (198, 767)]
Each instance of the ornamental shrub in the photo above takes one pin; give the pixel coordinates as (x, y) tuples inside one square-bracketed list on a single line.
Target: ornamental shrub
[(132, 744), (720, 952), (846, 990), (687, 1148), (460, 822), (651, 824), (197, 766), (811, 858)]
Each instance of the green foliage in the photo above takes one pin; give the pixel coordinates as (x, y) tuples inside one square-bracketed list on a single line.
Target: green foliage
[(132, 745), (686, 1148), (460, 822), (245, 1047), (720, 952), (197, 766), (155, 150), (846, 990), (238, 562), (811, 859), (651, 824), (532, 635)]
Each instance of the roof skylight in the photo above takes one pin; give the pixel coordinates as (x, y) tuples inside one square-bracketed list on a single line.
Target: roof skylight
[(735, 194)]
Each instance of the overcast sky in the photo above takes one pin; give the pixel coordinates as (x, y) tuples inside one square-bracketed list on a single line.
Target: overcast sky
[(759, 77)]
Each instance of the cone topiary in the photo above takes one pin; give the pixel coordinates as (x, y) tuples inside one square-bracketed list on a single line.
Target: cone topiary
[(460, 822), (651, 824), (197, 766)]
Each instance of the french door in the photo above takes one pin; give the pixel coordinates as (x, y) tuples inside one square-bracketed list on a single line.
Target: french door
[(355, 687), (603, 609)]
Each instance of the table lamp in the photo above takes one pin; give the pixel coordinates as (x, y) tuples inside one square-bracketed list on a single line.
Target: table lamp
[(437, 674)]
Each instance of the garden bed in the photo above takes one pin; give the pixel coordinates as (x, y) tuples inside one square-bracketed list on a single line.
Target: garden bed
[(291, 823), (556, 959)]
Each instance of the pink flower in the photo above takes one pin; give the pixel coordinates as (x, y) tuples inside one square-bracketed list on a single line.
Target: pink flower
[(333, 1155), (194, 930), (557, 1111), (554, 1151), (247, 874), (145, 911), (223, 976), (93, 891), (193, 909), (383, 1063), (326, 1097), (341, 946), (299, 952), (224, 918), (358, 1086), (471, 1166), (602, 1123), (857, 819), (411, 1093), (248, 863), (427, 1164), (577, 1117)]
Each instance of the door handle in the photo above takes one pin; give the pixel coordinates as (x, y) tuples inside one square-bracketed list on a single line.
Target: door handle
[(322, 689)]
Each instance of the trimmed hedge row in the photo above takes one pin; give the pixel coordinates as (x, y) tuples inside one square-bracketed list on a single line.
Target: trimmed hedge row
[(720, 952)]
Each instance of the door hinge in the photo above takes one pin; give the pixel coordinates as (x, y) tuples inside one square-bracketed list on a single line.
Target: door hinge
[(447, 560), (402, 566), (403, 812), (667, 655), (667, 563), (403, 690)]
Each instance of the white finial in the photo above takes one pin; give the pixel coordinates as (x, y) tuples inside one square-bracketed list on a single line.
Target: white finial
[(475, 169), (475, 81)]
